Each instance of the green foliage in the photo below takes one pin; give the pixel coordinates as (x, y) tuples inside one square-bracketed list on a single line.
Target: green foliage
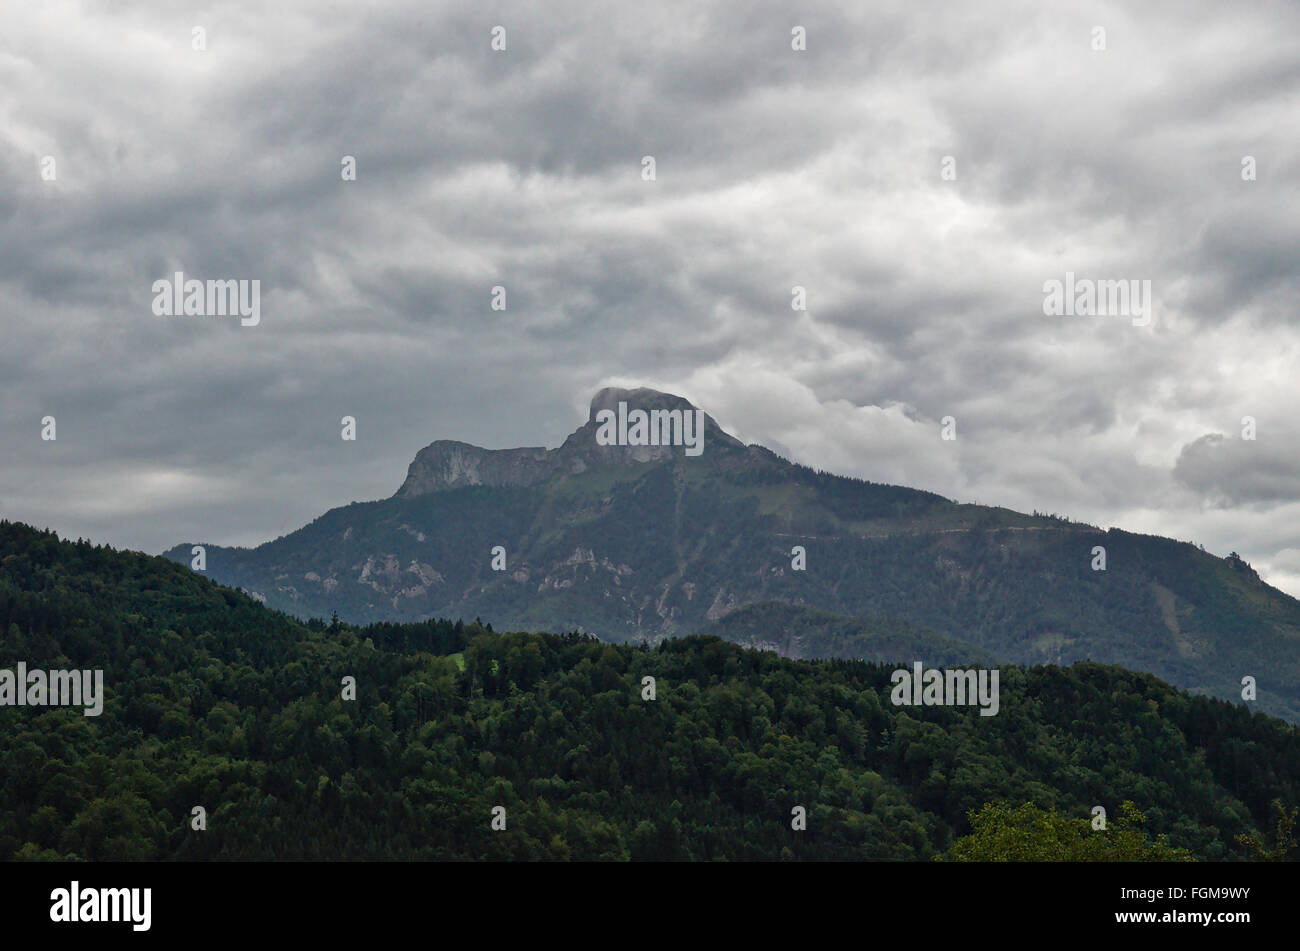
[(1026, 833), (1283, 836), (213, 700)]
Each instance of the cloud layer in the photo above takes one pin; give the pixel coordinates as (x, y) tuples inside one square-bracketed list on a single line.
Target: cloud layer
[(775, 168)]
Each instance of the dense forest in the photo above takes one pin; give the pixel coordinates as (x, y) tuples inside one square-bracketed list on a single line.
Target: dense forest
[(215, 701)]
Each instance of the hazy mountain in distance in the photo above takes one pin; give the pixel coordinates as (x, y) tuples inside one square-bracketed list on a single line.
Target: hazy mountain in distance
[(645, 541)]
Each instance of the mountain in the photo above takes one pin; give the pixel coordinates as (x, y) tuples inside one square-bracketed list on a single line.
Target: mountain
[(212, 700), (646, 541), (810, 633)]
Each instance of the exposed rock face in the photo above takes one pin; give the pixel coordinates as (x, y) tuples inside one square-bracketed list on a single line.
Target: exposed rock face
[(448, 464), (648, 399), (582, 443)]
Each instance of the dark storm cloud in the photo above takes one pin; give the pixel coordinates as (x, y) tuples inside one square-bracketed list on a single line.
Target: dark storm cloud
[(1231, 471), (523, 169)]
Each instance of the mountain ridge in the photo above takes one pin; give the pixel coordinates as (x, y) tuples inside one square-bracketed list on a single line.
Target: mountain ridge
[(642, 542), (450, 464)]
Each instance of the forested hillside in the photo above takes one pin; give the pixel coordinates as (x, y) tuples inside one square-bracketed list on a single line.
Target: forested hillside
[(215, 701)]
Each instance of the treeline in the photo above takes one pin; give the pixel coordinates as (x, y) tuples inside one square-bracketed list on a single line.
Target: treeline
[(215, 702)]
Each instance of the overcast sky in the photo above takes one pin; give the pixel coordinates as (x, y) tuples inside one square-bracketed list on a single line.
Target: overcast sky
[(821, 168)]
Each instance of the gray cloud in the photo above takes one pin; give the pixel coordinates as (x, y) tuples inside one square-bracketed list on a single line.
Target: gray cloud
[(1231, 471), (775, 169)]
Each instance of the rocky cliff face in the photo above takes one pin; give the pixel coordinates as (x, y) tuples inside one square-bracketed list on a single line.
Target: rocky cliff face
[(448, 464)]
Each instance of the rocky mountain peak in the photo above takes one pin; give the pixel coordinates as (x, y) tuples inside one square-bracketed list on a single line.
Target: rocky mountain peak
[(450, 464), (641, 397), (649, 400)]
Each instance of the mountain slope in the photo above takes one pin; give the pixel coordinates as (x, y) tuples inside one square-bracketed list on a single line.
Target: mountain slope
[(212, 700), (810, 633), (636, 542)]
